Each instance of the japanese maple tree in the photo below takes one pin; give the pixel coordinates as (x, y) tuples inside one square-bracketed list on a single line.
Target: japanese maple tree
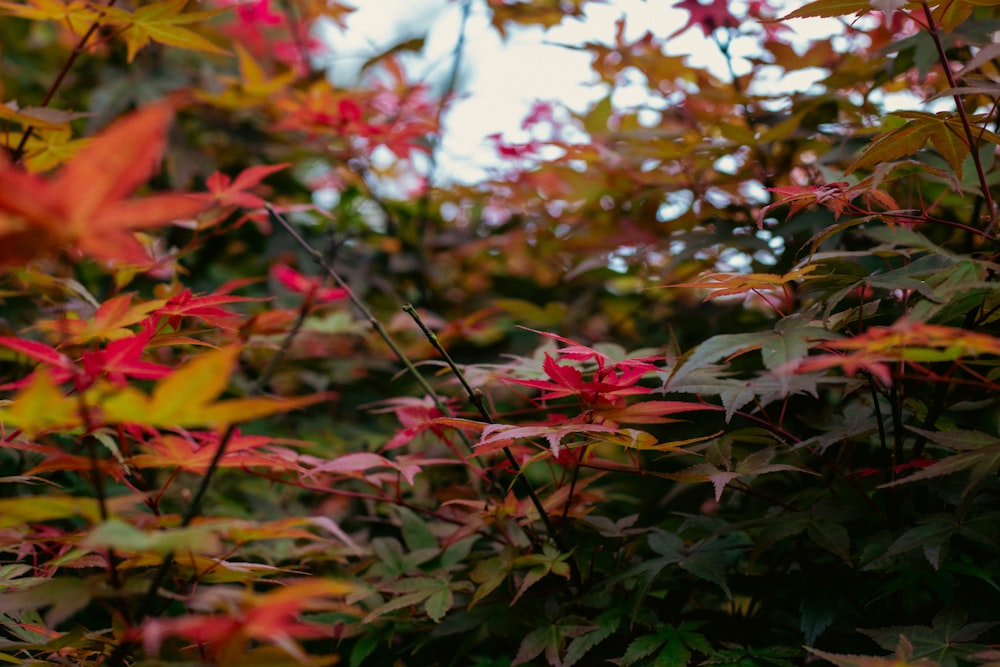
[(707, 379)]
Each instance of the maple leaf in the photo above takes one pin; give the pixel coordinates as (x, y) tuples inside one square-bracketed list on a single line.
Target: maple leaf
[(722, 472), (85, 204), (58, 460), (187, 397), (498, 436), (77, 15), (205, 308), (253, 86), (708, 17), (608, 387), (229, 191), (728, 284), (41, 406), (649, 412), (121, 359), (416, 415), (60, 366), (310, 286), (195, 452), (111, 320), (875, 350), (161, 22), (271, 617), (358, 463)]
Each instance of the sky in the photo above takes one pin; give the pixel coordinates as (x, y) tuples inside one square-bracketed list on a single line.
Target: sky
[(501, 79)]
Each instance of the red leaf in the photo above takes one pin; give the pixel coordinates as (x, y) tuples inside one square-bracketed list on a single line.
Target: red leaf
[(204, 308), (233, 191), (313, 287), (708, 17)]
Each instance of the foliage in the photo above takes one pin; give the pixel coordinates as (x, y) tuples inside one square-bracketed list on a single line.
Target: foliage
[(707, 380)]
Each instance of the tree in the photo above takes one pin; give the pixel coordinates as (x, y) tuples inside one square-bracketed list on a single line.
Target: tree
[(709, 381)]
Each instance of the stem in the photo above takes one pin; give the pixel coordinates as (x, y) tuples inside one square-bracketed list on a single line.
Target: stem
[(296, 34), (77, 51), (881, 424), (423, 217), (935, 35), (372, 320)]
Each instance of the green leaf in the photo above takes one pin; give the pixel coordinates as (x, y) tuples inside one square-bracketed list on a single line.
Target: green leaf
[(674, 652), (607, 624), (932, 536), (950, 142), (712, 350), (126, 539), (63, 597), (535, 642), (832, 537), (364, 647), (815, 616), (981, 463), (439, 602), (416, 534), (489, 573), (640, 648), (893, 145), (942, 641)]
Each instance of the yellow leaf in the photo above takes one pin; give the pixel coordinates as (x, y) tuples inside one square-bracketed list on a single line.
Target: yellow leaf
[(78, 15), (35, 509), (47, 150), (196, 383), (41, 406), (246, 409), (161, 22), (187, 397)]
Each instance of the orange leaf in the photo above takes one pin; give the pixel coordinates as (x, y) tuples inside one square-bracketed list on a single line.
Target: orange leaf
[(110, 321), (242, 451), (86, 204)]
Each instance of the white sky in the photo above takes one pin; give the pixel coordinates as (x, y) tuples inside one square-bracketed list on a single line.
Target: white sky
[(500, 79)]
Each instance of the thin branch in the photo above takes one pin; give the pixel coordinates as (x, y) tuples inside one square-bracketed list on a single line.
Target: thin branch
[(935, 35), (880, 422), (477, 399), (370, 317), (119, 655), (77, 51)]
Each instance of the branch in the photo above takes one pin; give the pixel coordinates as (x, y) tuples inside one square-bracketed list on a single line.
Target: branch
[(477, 399), (120, 653), (18, 152), (935, 35)]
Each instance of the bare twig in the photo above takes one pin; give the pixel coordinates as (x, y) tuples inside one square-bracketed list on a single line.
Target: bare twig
[(77, 51), (935, 35), (477, 399)]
